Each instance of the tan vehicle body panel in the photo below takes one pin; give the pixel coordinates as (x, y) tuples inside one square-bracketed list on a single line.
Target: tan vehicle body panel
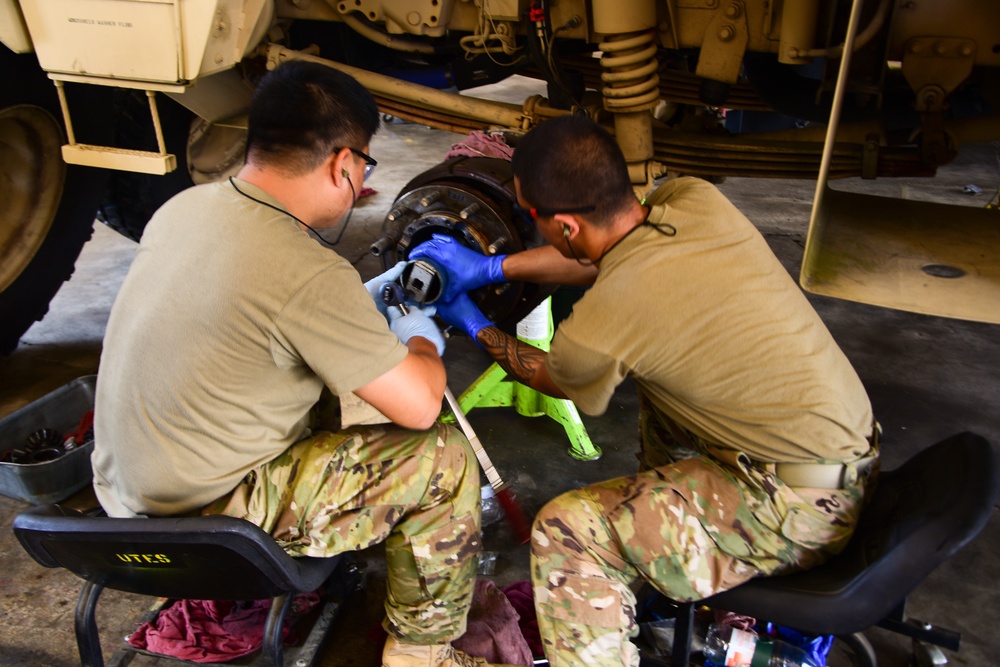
[(195, 50)]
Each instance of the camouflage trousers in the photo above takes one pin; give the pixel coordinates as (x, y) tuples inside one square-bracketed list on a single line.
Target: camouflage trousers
[(417, 491), (698, 523)]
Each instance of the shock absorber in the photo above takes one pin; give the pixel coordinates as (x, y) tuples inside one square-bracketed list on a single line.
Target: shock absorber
[(631, 90), (631, 83)]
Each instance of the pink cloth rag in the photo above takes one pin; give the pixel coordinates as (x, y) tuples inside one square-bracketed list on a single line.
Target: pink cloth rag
[(522, 599), (493, 631), (214, 630), (480, 144)]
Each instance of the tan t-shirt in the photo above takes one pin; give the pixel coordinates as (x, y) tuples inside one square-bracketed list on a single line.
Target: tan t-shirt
[(229, 323), (716, 333)]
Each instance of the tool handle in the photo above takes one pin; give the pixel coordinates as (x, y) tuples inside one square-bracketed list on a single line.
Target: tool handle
[(492, 476), (392, 297)]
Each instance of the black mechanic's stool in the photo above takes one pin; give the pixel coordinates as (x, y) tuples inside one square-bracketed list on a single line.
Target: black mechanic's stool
[(197, 558), (920, 514)]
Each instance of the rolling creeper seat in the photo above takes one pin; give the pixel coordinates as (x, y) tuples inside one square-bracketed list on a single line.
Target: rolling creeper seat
[(197, 558), (920, 514)]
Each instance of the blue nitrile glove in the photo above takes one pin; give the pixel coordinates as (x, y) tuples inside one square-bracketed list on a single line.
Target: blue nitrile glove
[(463, 314), (416, 322), (374, 286), (467, 269)]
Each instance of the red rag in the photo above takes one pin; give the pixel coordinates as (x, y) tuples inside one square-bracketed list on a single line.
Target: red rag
[(213, 630), (481, 144), (522, 598), (492, 630)]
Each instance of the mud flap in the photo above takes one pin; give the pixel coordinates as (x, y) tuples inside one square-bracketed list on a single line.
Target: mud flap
[(927, 258), (922, 257)]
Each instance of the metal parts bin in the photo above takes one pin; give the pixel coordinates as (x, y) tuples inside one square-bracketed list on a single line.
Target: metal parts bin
[(58, 479)]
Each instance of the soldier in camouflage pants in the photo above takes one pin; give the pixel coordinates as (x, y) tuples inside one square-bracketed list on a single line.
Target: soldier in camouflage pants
[(417, 491), (231, 326), (694, 522), (686, 299)]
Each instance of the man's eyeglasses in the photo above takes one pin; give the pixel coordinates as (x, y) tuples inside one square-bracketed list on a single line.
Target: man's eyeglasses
[(370, 162), (531, 215)]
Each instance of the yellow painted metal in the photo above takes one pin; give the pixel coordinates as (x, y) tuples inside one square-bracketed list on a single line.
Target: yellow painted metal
[(629, 72), (164, 41), (129, 40), (178, 88), (13, 32), (630, 88), (724, 42), (974, 20), (921, 257), (916, 256), (612, 17), (400, 17), (798, 30), (687, 23), (486, 111), (217, 97), (935, 66), (109, 157)]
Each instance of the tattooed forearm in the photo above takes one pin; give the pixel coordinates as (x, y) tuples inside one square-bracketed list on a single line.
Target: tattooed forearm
[(520, 360)]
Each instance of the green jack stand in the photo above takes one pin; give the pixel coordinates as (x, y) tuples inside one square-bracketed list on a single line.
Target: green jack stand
[(493, 389)]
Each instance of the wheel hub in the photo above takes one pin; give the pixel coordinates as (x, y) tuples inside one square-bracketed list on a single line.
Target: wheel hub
[(469, 199)]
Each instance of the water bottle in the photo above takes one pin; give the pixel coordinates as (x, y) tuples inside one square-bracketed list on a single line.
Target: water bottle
[(726, 646), (491, 506)]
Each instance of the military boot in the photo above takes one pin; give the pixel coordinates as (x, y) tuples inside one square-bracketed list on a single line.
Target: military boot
[(398, 654)]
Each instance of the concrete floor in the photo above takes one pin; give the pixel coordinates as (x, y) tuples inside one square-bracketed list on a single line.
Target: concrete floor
[(928, 378)]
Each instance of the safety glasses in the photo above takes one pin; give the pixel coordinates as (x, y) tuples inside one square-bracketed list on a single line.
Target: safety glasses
[(370, 162), (531, 215)]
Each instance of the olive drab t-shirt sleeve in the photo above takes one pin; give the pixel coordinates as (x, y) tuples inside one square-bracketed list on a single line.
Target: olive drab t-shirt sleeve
[(588, 375), (332, 325)]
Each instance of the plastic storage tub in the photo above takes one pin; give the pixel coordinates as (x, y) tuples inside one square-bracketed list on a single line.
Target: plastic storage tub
[(58, 479)]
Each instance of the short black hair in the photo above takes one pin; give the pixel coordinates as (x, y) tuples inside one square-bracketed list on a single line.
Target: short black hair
[(571, 161), (301, 111)]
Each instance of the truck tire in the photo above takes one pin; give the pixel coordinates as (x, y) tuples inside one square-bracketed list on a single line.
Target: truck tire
[(130, 198), (30, 109)]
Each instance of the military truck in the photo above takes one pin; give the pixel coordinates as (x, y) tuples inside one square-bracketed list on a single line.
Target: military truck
[(112, 106)]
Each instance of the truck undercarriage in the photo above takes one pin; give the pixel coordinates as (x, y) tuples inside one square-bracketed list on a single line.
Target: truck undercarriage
[(152, 98)]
